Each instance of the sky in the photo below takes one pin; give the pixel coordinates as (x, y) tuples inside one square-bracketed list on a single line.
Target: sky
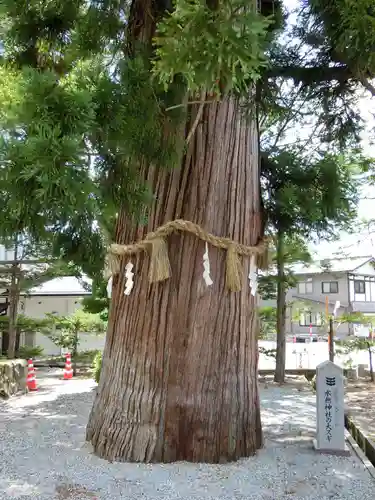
[(363, 242)]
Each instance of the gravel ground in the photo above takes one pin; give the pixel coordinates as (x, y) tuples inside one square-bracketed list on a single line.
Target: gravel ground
[(43, 456)]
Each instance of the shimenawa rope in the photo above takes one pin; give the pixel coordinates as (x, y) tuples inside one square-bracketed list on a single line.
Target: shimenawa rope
[(160, 270)]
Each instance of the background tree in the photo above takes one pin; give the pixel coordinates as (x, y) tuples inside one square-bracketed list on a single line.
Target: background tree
[(304, 197), (310, 120), (32, 264), (66, 330), (25, 326)]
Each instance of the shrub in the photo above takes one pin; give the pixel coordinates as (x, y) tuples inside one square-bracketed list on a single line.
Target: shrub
[(27, 352), (97, 366), (87, 356)]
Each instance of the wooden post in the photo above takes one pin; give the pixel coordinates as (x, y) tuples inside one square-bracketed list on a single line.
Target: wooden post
[(331, 346)]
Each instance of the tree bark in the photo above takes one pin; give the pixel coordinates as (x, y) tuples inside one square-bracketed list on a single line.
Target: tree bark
[(179, 375), (14, 296), (281, 312)]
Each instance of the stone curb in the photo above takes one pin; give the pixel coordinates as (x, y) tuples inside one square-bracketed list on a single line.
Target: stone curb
[(357, 450), (57, 364), (365, 448)]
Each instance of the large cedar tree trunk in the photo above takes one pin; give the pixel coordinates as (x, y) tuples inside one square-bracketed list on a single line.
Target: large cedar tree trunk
[(281, 312), (179, 375)]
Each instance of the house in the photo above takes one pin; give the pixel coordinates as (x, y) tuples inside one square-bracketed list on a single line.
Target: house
[(348, 283), (60, 296)]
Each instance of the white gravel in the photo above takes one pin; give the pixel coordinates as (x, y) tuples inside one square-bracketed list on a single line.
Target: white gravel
[(43, 456)]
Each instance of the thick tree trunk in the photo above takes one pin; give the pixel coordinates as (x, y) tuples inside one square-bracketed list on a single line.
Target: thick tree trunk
[(179, 376), (281, 313)]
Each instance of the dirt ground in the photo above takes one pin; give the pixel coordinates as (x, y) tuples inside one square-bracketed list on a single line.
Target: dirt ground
[(360, 403)]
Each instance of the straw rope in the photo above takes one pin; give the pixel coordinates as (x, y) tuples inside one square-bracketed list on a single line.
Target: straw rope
[(155, 243)]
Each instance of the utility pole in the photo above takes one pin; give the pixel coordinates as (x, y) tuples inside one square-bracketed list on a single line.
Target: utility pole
[(331, 346)]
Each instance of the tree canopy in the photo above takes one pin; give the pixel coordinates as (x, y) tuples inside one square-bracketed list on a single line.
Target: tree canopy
[(77, 117)]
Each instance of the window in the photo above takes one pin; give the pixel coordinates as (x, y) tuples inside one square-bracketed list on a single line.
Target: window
[(359, 286), (310, 318), (305, 287), (330, 287)]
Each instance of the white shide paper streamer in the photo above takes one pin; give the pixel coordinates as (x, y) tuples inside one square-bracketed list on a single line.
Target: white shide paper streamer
[(206, 268), (109, 288), (129, 278), (253, 277)]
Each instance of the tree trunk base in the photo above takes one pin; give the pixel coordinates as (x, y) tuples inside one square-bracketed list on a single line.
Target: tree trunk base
[(123, 442), (168, 406)]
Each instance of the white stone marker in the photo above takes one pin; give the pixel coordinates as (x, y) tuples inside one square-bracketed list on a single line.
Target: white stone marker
[(330, 431)]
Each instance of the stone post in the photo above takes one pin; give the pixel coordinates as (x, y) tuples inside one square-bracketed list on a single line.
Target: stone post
[(330, 432)]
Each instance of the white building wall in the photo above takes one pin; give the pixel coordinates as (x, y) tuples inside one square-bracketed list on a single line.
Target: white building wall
[(38, 306), (5, 254), (367, 269), (87, 342)]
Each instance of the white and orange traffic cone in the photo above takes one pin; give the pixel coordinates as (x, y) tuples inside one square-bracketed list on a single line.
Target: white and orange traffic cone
[(68, 371), (31, 379)]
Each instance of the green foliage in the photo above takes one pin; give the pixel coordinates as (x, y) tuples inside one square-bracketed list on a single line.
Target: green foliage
[(27, 352), (267, 316), (78, 321), (267, 287), (67, 328), (294, 251), (34, 27), (25, 324), (310, 195), (97, 366), (82, 120), (270, 353), (98, 302), (355, 344), (189, 36), (76, 129), (87, 356), (350, 29), (315, 78), (131, 123), (42, 148)]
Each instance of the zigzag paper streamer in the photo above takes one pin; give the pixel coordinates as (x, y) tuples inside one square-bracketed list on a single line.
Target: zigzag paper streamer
[(253, 277), (206, 268), (109, 288), (129, 278)]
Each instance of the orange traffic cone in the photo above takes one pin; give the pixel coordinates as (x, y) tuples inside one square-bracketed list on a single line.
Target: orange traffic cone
[(31, 380), (68, 372)]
